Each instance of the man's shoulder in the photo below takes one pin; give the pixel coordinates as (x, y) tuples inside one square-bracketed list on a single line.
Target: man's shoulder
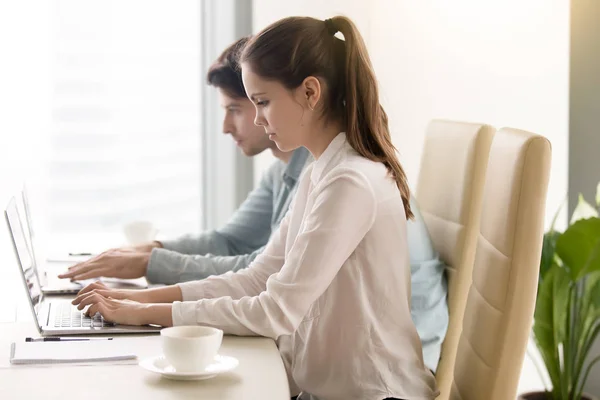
[(274, 173), (277, 171)]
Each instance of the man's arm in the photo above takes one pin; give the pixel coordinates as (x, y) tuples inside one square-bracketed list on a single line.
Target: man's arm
[(248, 229), (169, 267)]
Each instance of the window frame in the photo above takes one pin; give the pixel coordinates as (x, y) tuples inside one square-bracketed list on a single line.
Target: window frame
[(227, 175)]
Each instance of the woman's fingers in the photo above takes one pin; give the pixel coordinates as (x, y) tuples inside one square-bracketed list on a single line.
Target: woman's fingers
[(94, 309), (101, 305), (79, 298), (108, 305), (92, 286), (93, 297), (89, 299), (112, 294), (108, 309)]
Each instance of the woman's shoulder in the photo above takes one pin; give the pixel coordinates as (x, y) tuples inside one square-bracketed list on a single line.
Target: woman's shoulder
[(356, 171), (355, 163)]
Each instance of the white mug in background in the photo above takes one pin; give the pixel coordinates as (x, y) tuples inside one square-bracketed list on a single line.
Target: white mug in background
[(190, 348), (139, 232)]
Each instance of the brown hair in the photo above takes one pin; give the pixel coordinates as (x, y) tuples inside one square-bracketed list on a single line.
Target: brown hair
[(225, 72), (294, 48)]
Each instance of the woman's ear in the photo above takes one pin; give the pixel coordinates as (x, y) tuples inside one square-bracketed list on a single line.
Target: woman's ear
[(311, 92)]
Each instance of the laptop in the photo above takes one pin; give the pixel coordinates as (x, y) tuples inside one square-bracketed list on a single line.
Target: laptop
[(56, 316), (49, 282)]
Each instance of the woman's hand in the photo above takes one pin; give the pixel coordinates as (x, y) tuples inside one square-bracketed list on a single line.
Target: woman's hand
[(123, 310), (140, 296)]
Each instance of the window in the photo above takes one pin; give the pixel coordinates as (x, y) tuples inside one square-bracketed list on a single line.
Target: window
[(124, 142), (101, 109)]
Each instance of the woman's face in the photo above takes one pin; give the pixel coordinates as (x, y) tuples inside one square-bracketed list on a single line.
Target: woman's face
[(283, 113)]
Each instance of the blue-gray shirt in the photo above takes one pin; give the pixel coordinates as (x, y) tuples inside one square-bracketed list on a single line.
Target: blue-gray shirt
[(234, 246)]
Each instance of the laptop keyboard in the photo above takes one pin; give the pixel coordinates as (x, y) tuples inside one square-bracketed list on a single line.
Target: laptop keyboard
[(68, 316)]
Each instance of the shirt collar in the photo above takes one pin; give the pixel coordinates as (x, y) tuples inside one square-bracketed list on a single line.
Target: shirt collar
[(294, 168), (331, 150)]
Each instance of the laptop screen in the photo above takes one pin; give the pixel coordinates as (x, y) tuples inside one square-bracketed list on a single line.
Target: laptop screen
[(28, 224), (26, 262)]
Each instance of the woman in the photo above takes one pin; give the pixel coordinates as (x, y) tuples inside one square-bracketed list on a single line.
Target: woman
[(335, 277)]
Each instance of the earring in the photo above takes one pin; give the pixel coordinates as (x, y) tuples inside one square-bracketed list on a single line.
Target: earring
[(311, 108)]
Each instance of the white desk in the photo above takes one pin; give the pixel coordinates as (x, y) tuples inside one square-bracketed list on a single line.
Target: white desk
[(260, 374)]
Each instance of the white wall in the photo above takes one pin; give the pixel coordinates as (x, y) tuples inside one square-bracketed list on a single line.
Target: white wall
[(503, 63)]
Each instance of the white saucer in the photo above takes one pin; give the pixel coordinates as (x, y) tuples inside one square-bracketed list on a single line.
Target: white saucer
[(160, 365)]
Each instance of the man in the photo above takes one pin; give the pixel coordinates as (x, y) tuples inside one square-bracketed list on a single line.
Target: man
[(235, 245)]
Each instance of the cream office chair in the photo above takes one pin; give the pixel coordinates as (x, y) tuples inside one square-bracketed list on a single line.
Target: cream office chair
[(500, 304), (449, 193)]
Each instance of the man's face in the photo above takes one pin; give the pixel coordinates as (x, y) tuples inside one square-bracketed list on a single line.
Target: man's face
[(239, 123)]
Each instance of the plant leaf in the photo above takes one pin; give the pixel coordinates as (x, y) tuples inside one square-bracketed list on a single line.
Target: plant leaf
[(579, 247), (588, 322), (598, 195), (591, 295), (548, 251), (549, 321), (583, 210)]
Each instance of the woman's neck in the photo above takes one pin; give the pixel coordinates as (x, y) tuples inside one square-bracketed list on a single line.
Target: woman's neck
[(322, 138)]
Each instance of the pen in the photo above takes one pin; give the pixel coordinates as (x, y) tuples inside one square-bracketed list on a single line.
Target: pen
[(79, 254), (59, 339)]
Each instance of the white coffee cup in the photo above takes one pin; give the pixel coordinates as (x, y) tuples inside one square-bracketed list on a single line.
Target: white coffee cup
[(139, 232), (190, 348)]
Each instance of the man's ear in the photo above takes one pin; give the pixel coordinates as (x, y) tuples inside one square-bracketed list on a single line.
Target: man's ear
[(311, 91)]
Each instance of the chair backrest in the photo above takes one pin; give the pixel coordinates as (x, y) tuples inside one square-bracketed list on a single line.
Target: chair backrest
[(500, 304), (449, 193)]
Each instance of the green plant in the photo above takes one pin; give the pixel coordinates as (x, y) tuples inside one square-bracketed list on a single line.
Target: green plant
[(567, 312)]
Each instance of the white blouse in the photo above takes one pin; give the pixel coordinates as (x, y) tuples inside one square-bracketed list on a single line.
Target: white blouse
[(335, 277)]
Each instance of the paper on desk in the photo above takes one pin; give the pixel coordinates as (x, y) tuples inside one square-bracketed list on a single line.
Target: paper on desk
[(73, 364), (141, 345), (93, 351)]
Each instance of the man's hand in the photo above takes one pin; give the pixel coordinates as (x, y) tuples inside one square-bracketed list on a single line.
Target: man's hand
[(126, 263)]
